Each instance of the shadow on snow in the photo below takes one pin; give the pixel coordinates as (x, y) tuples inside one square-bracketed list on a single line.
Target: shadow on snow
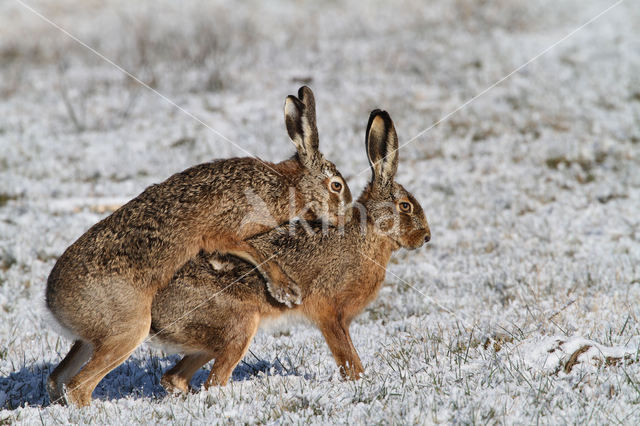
[(136, 378)]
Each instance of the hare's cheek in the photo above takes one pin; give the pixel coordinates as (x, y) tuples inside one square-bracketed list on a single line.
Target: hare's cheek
[(387, 224), (317, 208), (335, 201)]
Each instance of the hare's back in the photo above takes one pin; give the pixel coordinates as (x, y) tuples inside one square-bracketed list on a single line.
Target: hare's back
[(144, 233)]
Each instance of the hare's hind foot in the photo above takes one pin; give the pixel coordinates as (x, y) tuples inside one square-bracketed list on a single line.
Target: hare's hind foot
[(78, 397), (56, 392), (79, 353)]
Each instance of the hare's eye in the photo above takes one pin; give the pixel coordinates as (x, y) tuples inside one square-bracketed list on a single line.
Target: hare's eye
[(336, 186), (405, 207)]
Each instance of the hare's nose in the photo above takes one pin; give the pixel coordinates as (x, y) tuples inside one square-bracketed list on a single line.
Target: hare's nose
[(427, 238)]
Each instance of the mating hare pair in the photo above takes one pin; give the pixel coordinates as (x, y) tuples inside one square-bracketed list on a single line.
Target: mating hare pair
[(215, 303), (102, 288)]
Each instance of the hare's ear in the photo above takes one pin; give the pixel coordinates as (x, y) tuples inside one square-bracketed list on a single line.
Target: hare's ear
[(382, 147), (300, 119)]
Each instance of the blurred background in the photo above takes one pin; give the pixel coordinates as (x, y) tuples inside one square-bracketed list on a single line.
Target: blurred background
[(231, 66)]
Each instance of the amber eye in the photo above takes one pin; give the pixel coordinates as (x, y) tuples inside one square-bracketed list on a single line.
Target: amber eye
[(405, 207), (336, 186)]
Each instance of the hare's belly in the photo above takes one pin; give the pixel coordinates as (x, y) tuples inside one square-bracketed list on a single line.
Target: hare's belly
[(269, 324), (274, 324), (167, 346)]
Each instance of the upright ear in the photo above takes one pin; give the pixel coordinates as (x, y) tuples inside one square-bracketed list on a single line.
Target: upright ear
[(300, 119), (382, 147)]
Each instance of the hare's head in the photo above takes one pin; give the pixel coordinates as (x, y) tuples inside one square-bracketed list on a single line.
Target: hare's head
[(324, 191), (394, 212)]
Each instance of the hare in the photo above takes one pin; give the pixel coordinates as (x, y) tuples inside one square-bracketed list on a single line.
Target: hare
[(215, 303), (101, 288)]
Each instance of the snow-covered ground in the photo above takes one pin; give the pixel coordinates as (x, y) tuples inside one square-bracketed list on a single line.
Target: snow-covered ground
[(524, 306)]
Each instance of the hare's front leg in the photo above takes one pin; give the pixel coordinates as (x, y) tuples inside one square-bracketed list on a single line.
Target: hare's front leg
[(280, 286), (336, 333)]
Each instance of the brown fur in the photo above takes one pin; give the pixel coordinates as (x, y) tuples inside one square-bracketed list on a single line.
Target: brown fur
[(214, 303), (102, 287)]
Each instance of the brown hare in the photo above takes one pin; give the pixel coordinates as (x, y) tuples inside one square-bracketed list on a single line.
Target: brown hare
[(101, 288), (215, 303)]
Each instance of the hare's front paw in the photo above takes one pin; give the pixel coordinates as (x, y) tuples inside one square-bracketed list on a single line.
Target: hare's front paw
[(289, 295)]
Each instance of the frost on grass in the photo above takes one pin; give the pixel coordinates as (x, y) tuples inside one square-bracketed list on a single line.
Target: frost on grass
[(524, 306), (561, 354)]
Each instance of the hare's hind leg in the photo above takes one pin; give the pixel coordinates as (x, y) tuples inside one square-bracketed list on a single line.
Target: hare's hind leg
[(72, 363), (234, 349), (108, 353), (177, 379)]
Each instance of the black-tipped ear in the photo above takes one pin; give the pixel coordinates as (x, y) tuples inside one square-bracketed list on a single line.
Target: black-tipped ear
[(300, 119), (381, 143), (293, 110), (306, 96)]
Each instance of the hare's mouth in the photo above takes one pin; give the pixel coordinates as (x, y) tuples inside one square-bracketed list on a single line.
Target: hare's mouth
[(411, 245), (397, 243), (416, 240)]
